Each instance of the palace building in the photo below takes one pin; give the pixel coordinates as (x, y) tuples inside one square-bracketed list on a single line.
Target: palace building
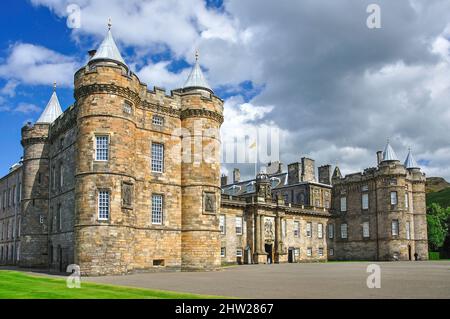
[(111, 184)]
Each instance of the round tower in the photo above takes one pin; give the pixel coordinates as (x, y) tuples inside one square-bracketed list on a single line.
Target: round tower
[(201, 117), (106, 94), (35, 187)]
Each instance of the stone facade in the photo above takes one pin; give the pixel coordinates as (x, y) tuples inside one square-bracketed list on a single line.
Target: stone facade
[(385, 214), (154, 200)]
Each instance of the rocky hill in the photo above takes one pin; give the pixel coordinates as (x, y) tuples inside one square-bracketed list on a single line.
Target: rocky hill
[(436, 184)]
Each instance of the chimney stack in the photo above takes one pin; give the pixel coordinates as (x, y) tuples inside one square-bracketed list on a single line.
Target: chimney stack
[(379, 157), (223, 180), (236, 175)]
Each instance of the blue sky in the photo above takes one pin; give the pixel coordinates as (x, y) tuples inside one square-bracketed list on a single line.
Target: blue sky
[(312, 69)]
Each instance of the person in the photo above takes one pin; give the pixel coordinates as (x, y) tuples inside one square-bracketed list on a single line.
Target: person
[(416, 256)]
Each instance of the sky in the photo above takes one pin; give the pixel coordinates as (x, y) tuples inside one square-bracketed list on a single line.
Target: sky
[(312, 69)]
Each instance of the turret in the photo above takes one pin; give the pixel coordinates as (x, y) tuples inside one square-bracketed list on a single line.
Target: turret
[(35, 186), (201, 118), (107, 96)]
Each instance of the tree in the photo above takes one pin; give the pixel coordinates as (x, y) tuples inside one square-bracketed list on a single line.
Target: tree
[(437, 220)]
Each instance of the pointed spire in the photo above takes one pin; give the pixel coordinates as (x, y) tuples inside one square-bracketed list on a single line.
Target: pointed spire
[(388, 153), (108, 49), (410, 162), (53, 109), (196, 79), (337, 172)]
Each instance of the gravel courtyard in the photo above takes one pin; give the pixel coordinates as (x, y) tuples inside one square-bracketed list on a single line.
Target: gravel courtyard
[(319, 280)]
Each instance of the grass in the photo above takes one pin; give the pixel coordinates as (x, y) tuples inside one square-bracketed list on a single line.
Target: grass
[(442, 197), (18, 285)]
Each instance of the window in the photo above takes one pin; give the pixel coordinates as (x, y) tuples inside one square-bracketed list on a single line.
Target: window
[(343, 204), (331, 252), (157, 209), (250, 187), (158, 120), (320, 252), (366, 230), (59, 225), (222, 252), (222, 224), (317, 202), (308, 229), (157, 157), (102, 148), (283, 228), (331, 231), (364, 188), (238, 225), (239, 252), (319, 230), (14, 195), (395, 227), (343, 231), (327, 204), (103, 205), (127, 107), (408, 230), (393, 198), (406, 200), (297, 252), (365, 201), (309, 252), (61, 175), (296, 229)]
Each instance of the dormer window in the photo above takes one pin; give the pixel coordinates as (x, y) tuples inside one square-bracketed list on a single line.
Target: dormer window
[(274, 181), (234, 189), (250, 188)]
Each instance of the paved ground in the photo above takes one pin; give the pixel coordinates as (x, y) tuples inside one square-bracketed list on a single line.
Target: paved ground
[(318, 280), (323, 280)]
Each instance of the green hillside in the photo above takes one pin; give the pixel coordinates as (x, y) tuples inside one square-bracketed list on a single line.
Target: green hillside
[(442, 197)]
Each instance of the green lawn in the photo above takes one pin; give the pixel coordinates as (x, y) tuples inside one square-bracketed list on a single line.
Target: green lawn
[(18, 285)]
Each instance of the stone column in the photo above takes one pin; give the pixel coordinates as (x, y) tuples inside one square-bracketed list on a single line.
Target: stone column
[(261, 236), (257, 248)]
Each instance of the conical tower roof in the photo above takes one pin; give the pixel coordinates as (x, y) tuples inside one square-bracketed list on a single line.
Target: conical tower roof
[(388, 153), (337, 172), (108, 49), (52, 111), (196, 79), (410, 162)]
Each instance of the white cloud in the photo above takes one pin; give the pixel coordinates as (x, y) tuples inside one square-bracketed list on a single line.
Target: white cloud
[(157, 74), (34, 65), (336, 88)]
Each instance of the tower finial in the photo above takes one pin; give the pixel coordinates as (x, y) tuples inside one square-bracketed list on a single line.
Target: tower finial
[(109, 23), (196, 55), (54, 86)]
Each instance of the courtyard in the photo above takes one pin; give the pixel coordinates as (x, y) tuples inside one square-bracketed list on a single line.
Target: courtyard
[(430, 279)]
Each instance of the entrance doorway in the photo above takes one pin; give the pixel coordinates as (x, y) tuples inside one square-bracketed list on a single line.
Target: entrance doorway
[(291, 255), (60, 258), (409, 252), (269, 251)]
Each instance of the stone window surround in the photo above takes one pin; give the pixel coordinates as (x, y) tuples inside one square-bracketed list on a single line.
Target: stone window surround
[(241, 232), (162, 160), (107, 190), (163, 203), (108, 149)]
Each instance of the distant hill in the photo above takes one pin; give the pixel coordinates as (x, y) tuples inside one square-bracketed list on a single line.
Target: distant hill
[(442, 197), (436, 184)]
